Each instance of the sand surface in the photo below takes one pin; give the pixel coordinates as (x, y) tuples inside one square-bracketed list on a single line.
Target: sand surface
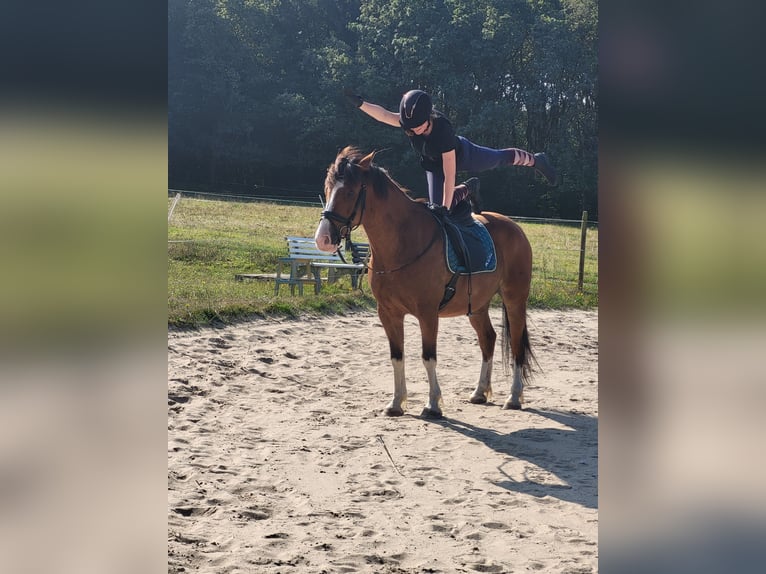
[(279, 459)]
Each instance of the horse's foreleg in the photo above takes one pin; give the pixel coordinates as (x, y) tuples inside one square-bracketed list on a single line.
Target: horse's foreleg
[(429, 329), (394, 328), (396, 407), (434, 406), (482, 324)]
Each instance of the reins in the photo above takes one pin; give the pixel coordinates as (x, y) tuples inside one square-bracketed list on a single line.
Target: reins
[(427, 248)]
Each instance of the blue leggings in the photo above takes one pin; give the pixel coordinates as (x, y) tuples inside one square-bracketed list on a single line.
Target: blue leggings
[(471, 157)]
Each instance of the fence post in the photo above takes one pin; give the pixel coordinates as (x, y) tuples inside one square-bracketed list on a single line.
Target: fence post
[(583, 229), (172, 207)]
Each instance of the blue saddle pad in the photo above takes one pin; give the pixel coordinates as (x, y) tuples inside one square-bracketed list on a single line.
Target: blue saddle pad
[(481, 250)]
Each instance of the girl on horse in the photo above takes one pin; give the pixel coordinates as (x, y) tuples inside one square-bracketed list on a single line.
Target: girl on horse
[(443, 154)]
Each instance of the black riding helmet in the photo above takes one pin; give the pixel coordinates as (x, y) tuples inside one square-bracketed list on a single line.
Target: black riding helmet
[(414, 109)]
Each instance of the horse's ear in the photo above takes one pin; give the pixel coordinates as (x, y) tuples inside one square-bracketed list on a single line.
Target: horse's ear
[(366, 161)]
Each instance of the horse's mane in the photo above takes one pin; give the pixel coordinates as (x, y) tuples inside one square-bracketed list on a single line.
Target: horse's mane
[(345, 168)]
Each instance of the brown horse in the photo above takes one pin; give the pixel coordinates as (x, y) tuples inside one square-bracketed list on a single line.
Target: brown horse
[(408, 274)]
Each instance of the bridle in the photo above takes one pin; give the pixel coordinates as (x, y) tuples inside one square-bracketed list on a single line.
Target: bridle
[(343, 226), (347, 224)]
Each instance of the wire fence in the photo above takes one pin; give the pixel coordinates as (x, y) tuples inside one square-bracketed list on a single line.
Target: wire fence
[(307, 201), (282, 200), (563, 253)]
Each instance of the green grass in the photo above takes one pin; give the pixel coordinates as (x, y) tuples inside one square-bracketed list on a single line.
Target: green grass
[(555, 267), (211, 241)]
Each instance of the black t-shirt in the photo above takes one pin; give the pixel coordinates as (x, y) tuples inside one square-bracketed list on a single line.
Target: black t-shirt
[(431, 147)]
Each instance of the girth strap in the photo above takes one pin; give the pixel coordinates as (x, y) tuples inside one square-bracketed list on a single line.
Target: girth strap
[(453, 234)]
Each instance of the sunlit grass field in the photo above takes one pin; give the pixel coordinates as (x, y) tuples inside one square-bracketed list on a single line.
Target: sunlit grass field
[(210, 241)]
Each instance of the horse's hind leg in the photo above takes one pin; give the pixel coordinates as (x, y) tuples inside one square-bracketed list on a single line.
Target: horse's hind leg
[(516, 326), (482, 324)]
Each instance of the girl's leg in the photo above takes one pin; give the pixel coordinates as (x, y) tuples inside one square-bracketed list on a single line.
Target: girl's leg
[(469, 190), (479, 158), (435, 187)]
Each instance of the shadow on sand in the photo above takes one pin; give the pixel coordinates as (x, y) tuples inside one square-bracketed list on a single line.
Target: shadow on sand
[(573, 449)]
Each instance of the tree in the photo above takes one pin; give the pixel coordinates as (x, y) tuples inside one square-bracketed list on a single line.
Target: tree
[(255, 89)]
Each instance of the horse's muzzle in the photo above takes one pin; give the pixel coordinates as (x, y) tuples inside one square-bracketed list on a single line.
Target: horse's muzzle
[(324, 236)]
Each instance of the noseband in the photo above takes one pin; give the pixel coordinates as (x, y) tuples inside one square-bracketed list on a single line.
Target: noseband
[(343, 226)]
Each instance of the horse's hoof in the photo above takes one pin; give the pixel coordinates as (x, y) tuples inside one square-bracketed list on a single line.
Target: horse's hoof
[(393, 412), (478, 399), (431, 414), (512, 406)]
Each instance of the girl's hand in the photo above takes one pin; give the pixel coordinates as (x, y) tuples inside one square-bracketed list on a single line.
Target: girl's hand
[(353, 98)]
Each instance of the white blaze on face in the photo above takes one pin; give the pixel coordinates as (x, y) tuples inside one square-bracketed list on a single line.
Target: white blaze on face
[(323, 232), (333, 194)]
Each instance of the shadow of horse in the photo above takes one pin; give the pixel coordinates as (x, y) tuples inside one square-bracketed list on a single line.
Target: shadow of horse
[(573, 449)]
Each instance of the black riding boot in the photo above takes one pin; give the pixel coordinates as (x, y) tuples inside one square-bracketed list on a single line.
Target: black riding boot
[(543, 167), (474, 196)]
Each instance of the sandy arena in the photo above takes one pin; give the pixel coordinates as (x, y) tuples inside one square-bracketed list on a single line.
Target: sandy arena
[(280, 460)]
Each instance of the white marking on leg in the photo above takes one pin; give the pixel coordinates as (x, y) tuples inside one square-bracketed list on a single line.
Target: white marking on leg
[(434, 392), (517, 390), (484, 388), (400, 387)]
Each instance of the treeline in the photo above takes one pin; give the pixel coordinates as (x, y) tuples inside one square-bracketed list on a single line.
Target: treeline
[(255, 87)]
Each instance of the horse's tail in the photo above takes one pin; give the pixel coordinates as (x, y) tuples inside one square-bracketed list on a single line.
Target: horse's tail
[(525, 357)]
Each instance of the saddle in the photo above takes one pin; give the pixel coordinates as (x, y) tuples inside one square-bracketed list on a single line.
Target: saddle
[(469, 247)]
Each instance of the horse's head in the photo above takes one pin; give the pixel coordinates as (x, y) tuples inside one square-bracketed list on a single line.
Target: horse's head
[(345, 189)]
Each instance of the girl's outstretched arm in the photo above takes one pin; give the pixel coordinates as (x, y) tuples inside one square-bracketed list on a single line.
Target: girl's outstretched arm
[(381, 114)]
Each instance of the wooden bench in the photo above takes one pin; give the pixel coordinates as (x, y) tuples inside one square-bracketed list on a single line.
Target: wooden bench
[(360, 255), (306, 263)]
